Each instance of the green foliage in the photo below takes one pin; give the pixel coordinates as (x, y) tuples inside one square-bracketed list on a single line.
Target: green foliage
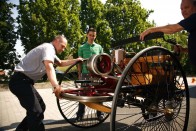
[(92, 15), (8, 36), (91, 12), (104, 35), (42, 20), (127, 19)]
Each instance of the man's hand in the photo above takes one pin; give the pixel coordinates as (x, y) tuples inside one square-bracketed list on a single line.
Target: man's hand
[(57, 91), (79, 59), (145, 33)]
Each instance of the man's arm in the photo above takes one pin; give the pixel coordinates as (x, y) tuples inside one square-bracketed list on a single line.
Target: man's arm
[(50, 71), (68, 62), (168, 29)]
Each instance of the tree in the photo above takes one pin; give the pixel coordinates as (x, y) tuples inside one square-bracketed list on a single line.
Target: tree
[(126, 19), (92, 15), (41, 20), (91, 12), (8, 36), (104, 35)]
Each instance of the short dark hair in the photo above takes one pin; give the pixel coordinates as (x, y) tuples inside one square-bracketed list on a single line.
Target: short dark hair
[(91, 29)]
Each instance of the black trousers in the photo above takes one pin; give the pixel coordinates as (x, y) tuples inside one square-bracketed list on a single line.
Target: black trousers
[(81, 111), (22, 86)]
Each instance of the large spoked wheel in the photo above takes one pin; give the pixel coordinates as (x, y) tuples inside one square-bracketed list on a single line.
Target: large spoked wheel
[(68, 106), (152, 94)]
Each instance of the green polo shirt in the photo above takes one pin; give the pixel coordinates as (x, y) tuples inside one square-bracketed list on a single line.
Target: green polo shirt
[(87, 50)]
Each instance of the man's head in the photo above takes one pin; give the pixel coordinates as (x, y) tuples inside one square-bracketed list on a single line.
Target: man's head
[(91, 35), (60, 43), (188, 7)]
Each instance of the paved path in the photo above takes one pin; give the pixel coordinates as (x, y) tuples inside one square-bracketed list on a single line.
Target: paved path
[(11, 113)]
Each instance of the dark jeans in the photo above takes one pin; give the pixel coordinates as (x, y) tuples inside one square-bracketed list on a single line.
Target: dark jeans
[(22, 86), (81, 111)]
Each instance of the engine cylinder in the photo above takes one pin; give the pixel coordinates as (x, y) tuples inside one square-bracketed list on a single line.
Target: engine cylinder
[(100, 64)]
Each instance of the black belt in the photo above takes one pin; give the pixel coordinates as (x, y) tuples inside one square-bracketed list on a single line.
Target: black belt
[(23, 76)]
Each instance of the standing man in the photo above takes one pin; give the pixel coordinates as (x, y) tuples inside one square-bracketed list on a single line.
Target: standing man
[(86, 50), (31, 68), (188, 10)]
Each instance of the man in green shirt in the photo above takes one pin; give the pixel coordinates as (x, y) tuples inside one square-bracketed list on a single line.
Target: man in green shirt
[(85, 51)]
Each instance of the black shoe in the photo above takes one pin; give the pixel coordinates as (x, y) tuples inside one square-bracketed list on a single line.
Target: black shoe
[(79, 118), (100, 117), (121, 103)]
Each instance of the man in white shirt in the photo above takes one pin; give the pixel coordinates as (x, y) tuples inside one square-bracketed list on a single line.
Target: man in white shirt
[(32, 67)]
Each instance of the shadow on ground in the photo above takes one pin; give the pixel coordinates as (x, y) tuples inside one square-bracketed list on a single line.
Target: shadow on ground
[(61, 126), (64, 126)]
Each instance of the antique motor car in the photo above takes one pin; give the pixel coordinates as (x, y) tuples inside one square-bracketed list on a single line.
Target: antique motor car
[(146, 90)]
